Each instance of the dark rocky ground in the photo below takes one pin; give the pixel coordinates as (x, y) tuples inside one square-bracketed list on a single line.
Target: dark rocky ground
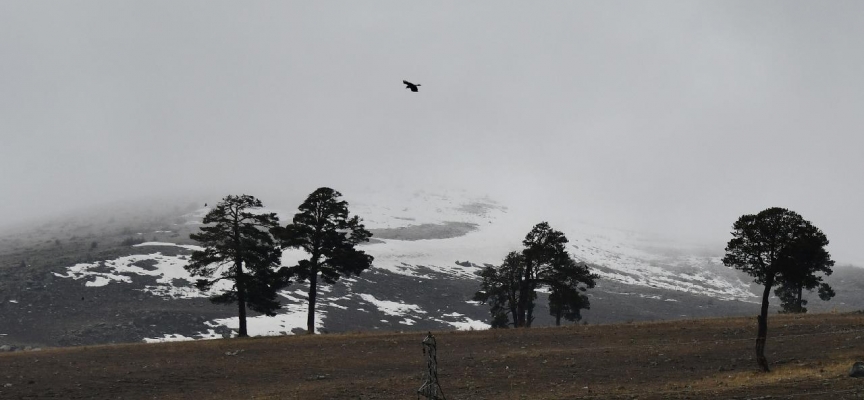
[(810, 358), (63, 312)]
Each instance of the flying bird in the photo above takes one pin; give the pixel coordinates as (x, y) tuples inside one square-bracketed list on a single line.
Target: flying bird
[(409, 85)]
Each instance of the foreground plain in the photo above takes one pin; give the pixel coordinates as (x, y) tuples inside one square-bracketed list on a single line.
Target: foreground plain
[(686, 359)]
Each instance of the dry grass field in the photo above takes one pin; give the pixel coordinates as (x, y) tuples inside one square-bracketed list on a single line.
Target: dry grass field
[(688, 359)]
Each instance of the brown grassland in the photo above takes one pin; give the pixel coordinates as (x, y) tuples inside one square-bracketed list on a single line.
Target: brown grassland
[(688, 359)]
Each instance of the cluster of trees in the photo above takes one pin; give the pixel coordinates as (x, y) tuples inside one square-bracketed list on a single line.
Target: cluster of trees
[(510, 289), (781, 250), (244, 246)]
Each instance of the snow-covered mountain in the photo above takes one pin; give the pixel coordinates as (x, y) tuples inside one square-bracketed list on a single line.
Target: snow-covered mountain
[(424, 243), (86, 280)]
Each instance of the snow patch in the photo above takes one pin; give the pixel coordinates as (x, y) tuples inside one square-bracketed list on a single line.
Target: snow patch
[(463, 323), (172, 280), (102, 281), (290, 317), (391, 307), (184, 246), (169, 338)]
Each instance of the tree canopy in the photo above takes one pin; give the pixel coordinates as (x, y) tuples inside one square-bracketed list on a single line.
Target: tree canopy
[(324, 230), (238, 247)]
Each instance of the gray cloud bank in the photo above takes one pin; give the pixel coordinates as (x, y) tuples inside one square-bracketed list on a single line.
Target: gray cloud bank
[(672, 117)]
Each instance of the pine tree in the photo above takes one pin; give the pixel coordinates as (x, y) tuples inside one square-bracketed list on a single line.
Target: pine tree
[(238, 247), (547, 263), (500, 289), (764, 245), (511, 289), (324, 230)]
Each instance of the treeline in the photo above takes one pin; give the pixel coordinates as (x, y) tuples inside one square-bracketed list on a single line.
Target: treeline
[(242, 245)]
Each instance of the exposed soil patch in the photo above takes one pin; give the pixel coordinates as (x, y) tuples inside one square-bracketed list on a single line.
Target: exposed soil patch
[(425, 231), (148, 265)]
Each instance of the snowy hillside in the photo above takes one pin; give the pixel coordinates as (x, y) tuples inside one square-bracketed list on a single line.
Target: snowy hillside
[(423, 238)]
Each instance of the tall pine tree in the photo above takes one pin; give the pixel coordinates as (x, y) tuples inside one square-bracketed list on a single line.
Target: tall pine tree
[(324, 230), (764, 246), (238, 247)]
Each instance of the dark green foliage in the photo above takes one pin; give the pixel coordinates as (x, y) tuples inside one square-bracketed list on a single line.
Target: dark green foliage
[(567, 297), (500, 321), (511, 289), (500, 289), (238, 247), (777, 247), (758, 242), (800, 263), (324, 230), (567, 303)]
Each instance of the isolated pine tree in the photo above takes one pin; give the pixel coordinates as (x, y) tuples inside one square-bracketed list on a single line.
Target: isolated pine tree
[(238, 247), (324, 230), (765, 246)]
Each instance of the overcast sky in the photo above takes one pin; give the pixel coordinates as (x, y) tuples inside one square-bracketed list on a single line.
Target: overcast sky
[(671, 117)]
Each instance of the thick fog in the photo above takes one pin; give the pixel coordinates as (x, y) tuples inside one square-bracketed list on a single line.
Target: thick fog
[(669, 117)]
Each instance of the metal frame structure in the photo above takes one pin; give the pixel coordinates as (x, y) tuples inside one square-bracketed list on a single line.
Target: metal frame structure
[(431, 389)]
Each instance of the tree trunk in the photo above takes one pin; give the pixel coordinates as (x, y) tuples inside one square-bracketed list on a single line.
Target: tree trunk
[(522, 307), (558, 318), (240, 280), (762, 335), (313, 293), (241, 298), (798, 301)]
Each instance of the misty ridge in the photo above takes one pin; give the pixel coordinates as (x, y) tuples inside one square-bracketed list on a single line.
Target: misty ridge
[(625, 116)]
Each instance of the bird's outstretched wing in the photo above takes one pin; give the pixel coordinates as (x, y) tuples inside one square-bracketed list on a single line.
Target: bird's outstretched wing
[(409, 85)]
